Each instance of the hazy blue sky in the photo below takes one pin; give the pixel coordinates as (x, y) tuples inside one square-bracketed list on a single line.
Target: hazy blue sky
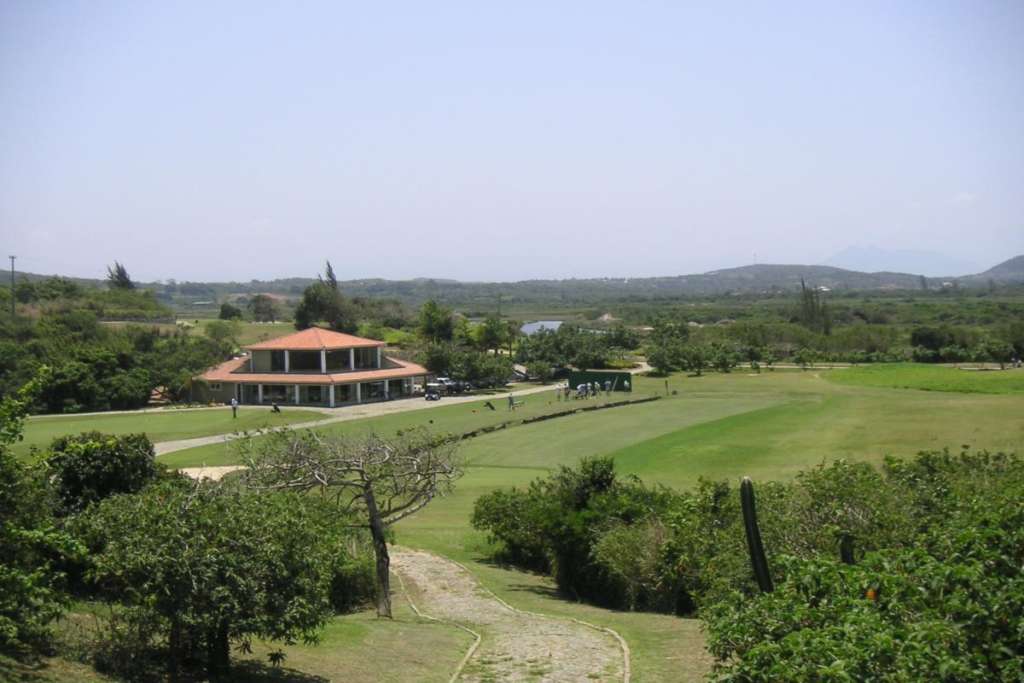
[(479, 140)]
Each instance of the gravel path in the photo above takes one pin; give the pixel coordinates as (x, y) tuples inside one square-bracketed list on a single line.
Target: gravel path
[(514, 645)]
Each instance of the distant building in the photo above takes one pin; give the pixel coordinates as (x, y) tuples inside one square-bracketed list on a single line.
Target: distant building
[(314, 367)]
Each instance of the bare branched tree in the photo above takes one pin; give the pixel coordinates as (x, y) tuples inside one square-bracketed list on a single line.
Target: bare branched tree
[(384, 479)]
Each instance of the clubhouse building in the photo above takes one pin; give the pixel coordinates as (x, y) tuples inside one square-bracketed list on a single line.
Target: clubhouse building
[(314, 367)]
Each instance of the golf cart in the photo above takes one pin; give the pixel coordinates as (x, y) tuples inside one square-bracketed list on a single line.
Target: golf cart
[(433, 392)]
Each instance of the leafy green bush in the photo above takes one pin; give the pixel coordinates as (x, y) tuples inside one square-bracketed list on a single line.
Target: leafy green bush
[(31, 547), (615, 542), (950, 610), (91, 466), (212, 564)]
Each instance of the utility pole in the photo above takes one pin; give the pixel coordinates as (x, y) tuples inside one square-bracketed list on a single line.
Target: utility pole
[(12, 286)]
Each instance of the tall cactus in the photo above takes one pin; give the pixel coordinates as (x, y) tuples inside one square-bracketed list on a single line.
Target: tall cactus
[(846, 548), (757, 558)]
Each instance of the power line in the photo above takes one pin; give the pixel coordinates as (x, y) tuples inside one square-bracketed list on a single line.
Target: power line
[(12, 285)]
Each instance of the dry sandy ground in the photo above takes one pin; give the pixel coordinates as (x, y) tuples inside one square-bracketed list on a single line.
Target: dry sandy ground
[(213, 473), (514, 645)]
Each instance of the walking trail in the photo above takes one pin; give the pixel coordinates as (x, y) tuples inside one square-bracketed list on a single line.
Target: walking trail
[(511, 645)]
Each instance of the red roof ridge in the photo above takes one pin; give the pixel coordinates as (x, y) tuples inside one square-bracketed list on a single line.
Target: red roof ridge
[(314, 339), (231, 371)]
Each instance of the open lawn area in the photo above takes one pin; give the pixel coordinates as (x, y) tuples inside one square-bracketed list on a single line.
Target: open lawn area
[(165, 425), (767, 426), (249, 332), (442, 417), (356, 648), (935, 378)]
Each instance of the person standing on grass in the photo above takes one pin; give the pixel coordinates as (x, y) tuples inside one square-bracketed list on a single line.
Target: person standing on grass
[(511, 402), (234, 407)]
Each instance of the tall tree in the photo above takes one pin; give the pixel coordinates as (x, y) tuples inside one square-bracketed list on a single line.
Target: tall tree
[(117, 277), (330, 278), (321, 302), (435, 322), (210, 564), (264, 309), (814, 313), (383, 480), (492, 334)]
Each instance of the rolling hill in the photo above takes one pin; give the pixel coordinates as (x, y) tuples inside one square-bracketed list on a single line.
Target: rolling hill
[(751, 279)]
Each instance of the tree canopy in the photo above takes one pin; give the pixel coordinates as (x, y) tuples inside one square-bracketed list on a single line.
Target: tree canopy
[(381, 480), (117, 277)]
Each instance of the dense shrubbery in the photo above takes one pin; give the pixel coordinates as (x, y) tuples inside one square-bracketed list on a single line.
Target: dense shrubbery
[(31, 546), (937, 541), (92, 466), (573, 346), (942, 600), (188, 568), (98, 367), (198, 566), (858, 343)]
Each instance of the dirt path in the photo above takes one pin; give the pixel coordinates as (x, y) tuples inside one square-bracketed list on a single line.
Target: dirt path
[(513, 645)]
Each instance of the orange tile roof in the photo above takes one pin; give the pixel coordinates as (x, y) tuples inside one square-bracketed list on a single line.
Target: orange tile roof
[(314, 339), (234, 370)]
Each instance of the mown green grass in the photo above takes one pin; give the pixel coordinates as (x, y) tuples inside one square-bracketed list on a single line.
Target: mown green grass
[(934, 378), (455, 418), (169, 425)]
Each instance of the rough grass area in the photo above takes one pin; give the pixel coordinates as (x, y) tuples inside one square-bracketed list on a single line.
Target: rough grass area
[(356, 648), (166, 425), (934, 378), (249, 332)]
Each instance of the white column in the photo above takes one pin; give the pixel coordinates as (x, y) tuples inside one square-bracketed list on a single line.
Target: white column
[(359, 397), (259, 393), (252, 361), (286, 360), (331, 395), (386, 389), (378, 358), (323, 361), (296, 390), (351, 359)]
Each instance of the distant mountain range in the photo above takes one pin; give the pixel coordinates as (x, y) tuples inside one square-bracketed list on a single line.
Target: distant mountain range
[(872, 259), (483, 295)]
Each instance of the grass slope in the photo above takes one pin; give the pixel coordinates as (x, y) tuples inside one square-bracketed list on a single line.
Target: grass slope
[(454, 418), (934, 378), (169, 425), (718, 426)]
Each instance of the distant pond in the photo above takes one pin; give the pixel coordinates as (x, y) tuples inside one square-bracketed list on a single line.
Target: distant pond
[(538, 325)]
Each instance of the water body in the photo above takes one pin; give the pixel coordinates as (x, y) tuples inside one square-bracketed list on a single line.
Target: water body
[(538, 325)]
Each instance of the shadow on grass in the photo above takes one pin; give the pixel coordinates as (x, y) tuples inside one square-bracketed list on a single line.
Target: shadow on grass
[(260, 671), (22, 671)]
